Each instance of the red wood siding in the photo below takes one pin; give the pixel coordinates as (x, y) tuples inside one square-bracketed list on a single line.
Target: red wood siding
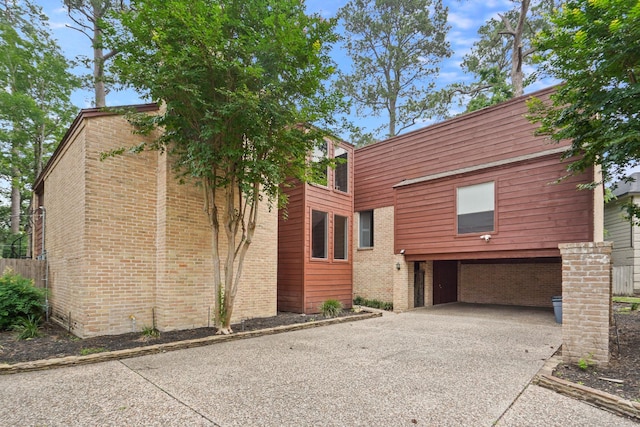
[(304, 283), (290, 255), (532, 213), (496, 133)]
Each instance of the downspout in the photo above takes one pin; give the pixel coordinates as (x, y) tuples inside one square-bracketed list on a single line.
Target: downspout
[(43, 256)]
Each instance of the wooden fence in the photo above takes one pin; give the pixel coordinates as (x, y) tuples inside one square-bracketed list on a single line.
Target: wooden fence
[(623, 280), (30, 268)]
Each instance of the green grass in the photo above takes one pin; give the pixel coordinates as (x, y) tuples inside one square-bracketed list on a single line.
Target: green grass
[(629, 300), (92, 350)]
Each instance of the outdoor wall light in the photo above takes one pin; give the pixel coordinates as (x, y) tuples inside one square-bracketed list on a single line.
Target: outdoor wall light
[(398, 266)]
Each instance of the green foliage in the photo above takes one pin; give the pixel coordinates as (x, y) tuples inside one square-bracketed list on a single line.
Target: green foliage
[(593, 49), (373, 303), (331, 308), (92, 350), (396, 48), (240, 82), (35, 105), (150, 332), (499, 74), (585, 363), (634, 306), (27, 327), (18, 299)]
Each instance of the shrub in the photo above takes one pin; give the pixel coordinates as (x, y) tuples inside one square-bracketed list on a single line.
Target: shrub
[(150, 332), (331, 308), (27, 327), (373, 303), (18, 299)]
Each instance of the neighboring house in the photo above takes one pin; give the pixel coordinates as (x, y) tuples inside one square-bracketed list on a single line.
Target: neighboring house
[(465, 210), (127, 245), (468, 210), (314, 237), (625, 237)]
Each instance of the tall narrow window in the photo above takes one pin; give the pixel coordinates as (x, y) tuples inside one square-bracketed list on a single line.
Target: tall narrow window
[(319, 164), (366, 229), (475, 208), (340, 237), (318, 234), (342, 170)]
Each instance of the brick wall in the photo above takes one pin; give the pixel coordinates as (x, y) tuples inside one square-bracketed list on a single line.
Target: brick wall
[(374, 268), (526, 284), (119, 232), (586, 301), (65, 224), (125, 239), (185, 277)]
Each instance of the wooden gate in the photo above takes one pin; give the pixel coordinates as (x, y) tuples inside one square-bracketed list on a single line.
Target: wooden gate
[(623, 280)]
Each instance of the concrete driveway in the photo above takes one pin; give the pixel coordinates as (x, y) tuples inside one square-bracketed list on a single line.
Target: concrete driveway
[(454, 365)]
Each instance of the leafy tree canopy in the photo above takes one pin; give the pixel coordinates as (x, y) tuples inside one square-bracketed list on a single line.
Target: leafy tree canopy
[(238, 79), (395, 47), (593, 48)]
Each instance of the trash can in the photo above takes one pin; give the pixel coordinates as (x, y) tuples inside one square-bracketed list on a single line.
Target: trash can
[(557, 308)]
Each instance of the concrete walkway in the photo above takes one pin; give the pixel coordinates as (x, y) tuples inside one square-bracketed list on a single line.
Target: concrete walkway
[(453, 365)]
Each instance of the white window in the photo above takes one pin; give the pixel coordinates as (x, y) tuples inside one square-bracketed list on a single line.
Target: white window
[(318, 234), (340, 237), (475, 205), (342, 170), (319, 164), (366, 229)]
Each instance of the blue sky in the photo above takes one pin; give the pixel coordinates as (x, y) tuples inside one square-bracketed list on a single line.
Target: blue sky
[(465, 17)]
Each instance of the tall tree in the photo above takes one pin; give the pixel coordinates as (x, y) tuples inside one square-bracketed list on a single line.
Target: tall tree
[(395, 47), (593, 49), (34, 99), (498, 60), (237, 79), (88, 16)]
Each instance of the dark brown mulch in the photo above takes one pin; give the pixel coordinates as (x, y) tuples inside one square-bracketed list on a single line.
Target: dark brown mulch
[(57, 342), (624, 364)]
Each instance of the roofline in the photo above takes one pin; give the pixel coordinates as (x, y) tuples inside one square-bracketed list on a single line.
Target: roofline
[(464, 116), (87, 113)]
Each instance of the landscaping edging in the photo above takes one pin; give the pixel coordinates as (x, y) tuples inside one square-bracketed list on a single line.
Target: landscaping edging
[(603, 400), (161, 348)]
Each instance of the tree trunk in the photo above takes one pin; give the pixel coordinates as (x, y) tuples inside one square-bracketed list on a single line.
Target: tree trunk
[(15, 193), (98, 60), (517, 76)]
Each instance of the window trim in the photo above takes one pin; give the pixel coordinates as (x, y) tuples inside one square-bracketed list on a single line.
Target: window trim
[(457, 209), (371, 230), (345, 239), (345, 164), (326, 235)]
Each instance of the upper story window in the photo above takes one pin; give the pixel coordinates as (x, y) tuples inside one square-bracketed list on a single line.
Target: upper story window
[(475, 206), (319, 165), (319, 234), (365, 231), (342, 169)]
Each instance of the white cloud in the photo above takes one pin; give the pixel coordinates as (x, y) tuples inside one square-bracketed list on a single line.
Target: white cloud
[(57, 25), (458, 21)]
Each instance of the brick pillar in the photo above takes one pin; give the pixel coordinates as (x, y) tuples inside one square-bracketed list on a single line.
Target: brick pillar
[(586, 301), (401, 283)]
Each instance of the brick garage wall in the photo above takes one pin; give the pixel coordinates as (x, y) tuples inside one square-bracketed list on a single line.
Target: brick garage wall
[(64, 188), (374, 268), (185, 291), (526, 284), (120, 225), (586, 301)]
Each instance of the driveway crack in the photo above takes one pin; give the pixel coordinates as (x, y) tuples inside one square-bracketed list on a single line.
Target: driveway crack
[(170, 394)]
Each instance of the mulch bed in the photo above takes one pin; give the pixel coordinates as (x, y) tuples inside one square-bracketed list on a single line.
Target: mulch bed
[(624, 362), (57, 342)]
